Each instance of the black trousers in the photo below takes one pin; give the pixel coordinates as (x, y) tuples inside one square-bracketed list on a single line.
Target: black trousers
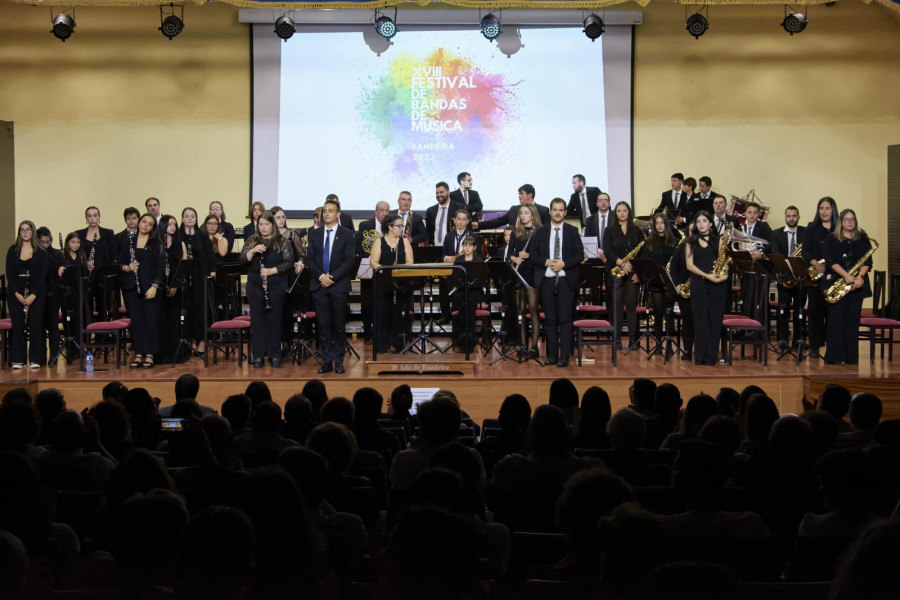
[(265, 325), (331, 320), (51, 325), (662, 302), (816, 316), (144, 315), (842, 339), (465, 301), (626, 303), (390, 324), (558, 302), (708, 304), (169, 312), (687, 324), (19, 347), (786, 296)]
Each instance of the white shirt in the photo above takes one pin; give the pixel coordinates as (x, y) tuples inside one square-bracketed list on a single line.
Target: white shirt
[(553, 227)]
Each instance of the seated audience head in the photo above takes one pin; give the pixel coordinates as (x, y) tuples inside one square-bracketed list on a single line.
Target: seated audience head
[(791, 442), (627, 430), (336, 443), (401, 400), (439, 420), (439, 487), (699, 408), (824, 430), (219, 555), (221, 441), (115, 430), (848, 481), (67, 432), (465, 463), (746, 393), (49, 403), (140, 472), (887, 433), (309, 470), (143, 556), (16, 396), (595, 408), (869, 569), (549, 433), (24, 511), (668, 401), (865, 411), (643, 395), (141, 409), (587, 497), (187, 387), (258, 392), (728, 401), (338, 410), (722, 431), (267, 418), (563, 394), (237, 408), (298, 409), (758, 418), (368, 403), (315, 391), (515, 413), (114, 390), (835, 400), (19, 426)]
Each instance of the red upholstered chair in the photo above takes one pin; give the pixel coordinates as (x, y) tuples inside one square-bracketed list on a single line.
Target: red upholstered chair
[(603, 331), (751, 328), (105, 335), (224, 335), (879, 327)]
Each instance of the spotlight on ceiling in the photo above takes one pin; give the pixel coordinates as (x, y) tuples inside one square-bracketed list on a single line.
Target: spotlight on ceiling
[(490, 26), (794, 22), (385, 26), (284, 27), (593, 27), (510, 41), (171, 20), (63, 25), (697, 23)]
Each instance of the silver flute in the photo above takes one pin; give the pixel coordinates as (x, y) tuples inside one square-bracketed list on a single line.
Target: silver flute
[(132, 242)]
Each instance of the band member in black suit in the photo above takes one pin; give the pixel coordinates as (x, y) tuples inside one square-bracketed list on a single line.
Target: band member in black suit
[(661, 246), (413, 224), (391, 249), (170, 293), (719, 219), (151, 205), (522, 242), (26, 275), (270, 260), (439, 217), (785, 241), (51, 306), (680, 277), (704, 187), (760, 229), (382, 209), (227, 229), (131, 217), (619, 240), (467, 197), (466, 292), (675, 200), (813, 252), (526, 196), (598, 222), (694, 203), (143, 272), (843, 250), (557, 252), (583, 201), (256, 210), (196, 246), (707, 289), (345, 219), (99, 245), (453, 248), (329, 256)]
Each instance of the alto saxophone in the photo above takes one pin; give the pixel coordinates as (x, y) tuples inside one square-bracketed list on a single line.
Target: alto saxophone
[(617, 271), (685, 291), (132, 242), (720, 267), (840, 288), (407, 231)]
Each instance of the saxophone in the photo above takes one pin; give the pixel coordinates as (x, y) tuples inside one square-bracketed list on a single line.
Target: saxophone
[(720, 267), (617, 271), (407, 231), (794, 254), (132, 242), (841, 288), (685, 291)]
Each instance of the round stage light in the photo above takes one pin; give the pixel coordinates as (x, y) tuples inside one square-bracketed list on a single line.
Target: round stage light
[(171, 26), (386, 27), (697, 25), (593, 27), (794, 23), (63, 26), (490, 26), (284, 27)]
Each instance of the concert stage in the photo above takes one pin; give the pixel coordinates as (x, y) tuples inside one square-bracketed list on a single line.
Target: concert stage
[(481, 393)]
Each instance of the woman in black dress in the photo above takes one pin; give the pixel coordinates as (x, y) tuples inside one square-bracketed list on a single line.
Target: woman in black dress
[(170, 292), (707, 290), (619, 240), (73, 267), (270, 260), (196, 246), (529, 222), (26, 274), (390, 249), (661, 245), (143, 273), (813, 252), (843, 249), (465, 295)]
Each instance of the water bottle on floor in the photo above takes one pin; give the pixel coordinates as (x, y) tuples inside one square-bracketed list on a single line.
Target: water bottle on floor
[(89, 362)]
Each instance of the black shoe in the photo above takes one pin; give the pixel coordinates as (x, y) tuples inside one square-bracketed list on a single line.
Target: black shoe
[(814, 353), (618, 345), (276, 363), (687, 355), (551, 362), (257, 363), (443, 321), (326, 368), (562, 363), (533, 351), (339, 369)]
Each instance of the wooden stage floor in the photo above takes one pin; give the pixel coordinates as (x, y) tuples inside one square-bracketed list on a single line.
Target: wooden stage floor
[(481, 394)]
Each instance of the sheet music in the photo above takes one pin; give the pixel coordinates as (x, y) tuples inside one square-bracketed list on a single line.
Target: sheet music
[(365, 269), (591, 246)]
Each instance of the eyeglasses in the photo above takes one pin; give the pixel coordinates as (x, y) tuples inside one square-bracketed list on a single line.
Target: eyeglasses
[(25, 230), (848, 220), (396, 225)]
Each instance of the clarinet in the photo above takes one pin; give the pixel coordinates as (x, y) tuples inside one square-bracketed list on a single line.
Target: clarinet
[(93, 252), (25, 294), (132, 242), (190, 254), (61, 242), (265, 282), (525, 247), (166, 257)]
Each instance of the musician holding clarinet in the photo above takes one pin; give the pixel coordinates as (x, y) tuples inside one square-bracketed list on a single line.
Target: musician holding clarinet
[(270, 259), (26, 272), (848, 258), (143, 271)]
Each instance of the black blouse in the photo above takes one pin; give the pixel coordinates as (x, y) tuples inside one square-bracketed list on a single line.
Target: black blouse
[(36, 268), (151, 261), (846, 253)]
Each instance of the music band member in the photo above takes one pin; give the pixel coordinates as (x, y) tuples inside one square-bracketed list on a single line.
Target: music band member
[(270, 259), (170, 293), (466, 293), (256, 210), (151, 205), (661, 245), (391, 249), (26, 274), (522, 246), (227, 229), (452, 248), (694, 202), (813, 252), (413, 223), (526, 196), (382, 209), (330, 258), (843, 249), (131, 217), (196, 246), (707, 289), (99, 246), (720, 219), (619, 240), (583, 201), (468, 198), (143, 272), (675, 201), (598, 222), (756, 228), (439, 217), (681, 277), (73, 258), (785, 241), (344, 219), (557, 252), (53, 293)]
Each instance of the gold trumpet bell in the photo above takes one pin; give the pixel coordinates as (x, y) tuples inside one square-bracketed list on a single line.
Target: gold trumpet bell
[(369, 237)]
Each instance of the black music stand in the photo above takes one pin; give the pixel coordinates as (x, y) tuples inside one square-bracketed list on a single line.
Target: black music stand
[(504, 274), (229, 273), (664, 347), (69, 286), (646, 272), (301, 346), (180, 276), (104, 277), (429, 255), (477, 272)]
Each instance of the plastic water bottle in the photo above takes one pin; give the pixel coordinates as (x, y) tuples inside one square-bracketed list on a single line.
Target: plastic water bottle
[(89, 362)]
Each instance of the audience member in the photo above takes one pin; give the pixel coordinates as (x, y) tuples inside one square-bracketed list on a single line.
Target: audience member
[(699, 408), (870, 569), (48, 404), (728, 401), (114, 390), (338, 410), (298, 418), (514, 416), (114, 427), (835, 400), (824, 430), (590, 431), (315, 391), (238, 409), (865, 413), (258, 392), (142, 415), (627, 430), (263, 443), (219, 555), (368, 403), (187, 388), (642, 396), (19, 429), (564, 395), (67, 461), (664, 420)]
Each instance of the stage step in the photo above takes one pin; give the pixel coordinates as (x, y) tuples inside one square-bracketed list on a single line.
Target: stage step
[(430, 364)]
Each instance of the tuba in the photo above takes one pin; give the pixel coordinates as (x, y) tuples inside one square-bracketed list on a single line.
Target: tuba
[(369, 237), (841, 288)]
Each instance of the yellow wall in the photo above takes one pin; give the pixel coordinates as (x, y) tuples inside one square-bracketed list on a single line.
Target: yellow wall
[(119, 113)]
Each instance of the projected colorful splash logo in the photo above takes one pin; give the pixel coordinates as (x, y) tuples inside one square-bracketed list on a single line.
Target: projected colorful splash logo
[(419, 108)]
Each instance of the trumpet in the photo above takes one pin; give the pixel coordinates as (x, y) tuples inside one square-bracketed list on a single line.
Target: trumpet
[(617, 271), (841, 288)]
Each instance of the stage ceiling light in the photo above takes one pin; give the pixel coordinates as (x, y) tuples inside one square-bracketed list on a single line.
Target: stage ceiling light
[(385, 27), (697, 25), (794, 22), (171, 24), (284, 27), (593, 27), (490, 26), (63, 25)]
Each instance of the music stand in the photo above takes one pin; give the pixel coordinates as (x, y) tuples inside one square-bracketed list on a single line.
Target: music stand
[(180, 275), (230, 276), (646, 272), (477, 272), (504, 274), (664, 346), (302, 346), (69, 284), (429, 255), (104, 277)]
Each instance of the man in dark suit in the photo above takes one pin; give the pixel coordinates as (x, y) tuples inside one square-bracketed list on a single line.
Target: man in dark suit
[(131, 216), (413, 223), (439, 217), (382, 209), (152, 206), (720, 219), (675, 200), (694, 203), (526, 196), (705, 189), (598, 222), (467, 197), (785, 241), (583, 201), (330, 259), (760, 229), (555, 255), (346, 219)]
